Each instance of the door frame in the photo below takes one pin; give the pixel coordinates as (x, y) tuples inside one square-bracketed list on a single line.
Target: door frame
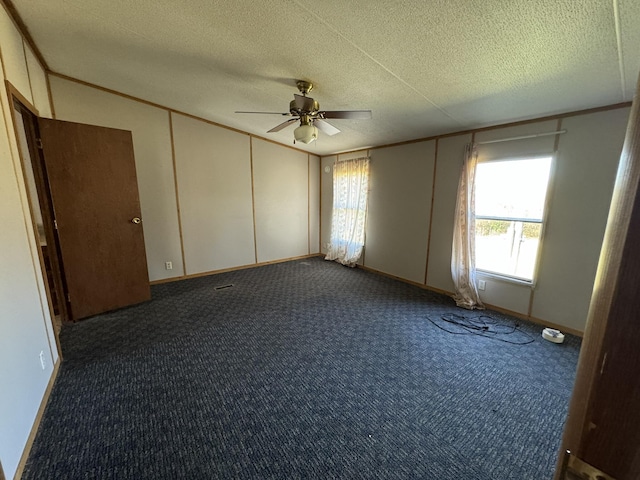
[(33, 160), (608, 348)]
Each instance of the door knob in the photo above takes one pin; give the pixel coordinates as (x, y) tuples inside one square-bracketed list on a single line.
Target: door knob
[(136, 220)]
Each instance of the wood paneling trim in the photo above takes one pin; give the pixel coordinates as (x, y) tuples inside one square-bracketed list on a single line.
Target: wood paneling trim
[(545, 214), (403, 280), (162, 107), (232, 269), (321, 225), (532, 294), (139, 100), (308, 203), (31, 160), (253, 202), (575, 113), (24, 31), (545, 323), (433, 197), (319, 205), (175, 185), (366, 217), (373, 147), (26, 65), (359, 150), (51, 105), (36, 422), (4, 70), (13, 91), (23, 157)]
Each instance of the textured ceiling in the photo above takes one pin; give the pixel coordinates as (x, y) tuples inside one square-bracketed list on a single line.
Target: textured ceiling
[(424, 67)]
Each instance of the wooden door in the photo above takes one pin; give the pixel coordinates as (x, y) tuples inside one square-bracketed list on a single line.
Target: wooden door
[(92, 179)]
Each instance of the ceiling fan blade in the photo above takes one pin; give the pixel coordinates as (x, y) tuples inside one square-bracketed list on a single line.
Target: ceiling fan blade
[(349, 114), (325, 127), (270, 113), (277, 128), (304, 103)]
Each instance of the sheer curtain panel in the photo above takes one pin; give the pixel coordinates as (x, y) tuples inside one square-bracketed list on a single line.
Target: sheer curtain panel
[(463, 252), (350, 191)]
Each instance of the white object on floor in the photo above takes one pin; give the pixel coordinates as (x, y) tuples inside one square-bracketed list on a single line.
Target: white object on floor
[(552, 335)]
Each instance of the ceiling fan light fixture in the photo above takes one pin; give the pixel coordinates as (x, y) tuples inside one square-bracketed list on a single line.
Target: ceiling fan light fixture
[(305, 133), (307, 111)]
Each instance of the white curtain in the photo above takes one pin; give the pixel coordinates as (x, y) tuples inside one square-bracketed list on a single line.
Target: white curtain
[(350, 190), (463, 254)]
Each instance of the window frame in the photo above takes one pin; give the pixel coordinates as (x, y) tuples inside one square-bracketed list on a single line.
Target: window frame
[(541, 221)]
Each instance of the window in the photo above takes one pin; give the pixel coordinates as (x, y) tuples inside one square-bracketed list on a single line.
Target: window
[(510, 197), (350, 189)]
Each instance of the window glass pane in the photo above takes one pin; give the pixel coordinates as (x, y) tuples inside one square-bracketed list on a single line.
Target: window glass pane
[(507, 248), (513, 188)]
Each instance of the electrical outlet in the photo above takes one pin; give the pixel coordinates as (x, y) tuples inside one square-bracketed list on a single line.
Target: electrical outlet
[(168, 265), (482, 284), (42, 363)]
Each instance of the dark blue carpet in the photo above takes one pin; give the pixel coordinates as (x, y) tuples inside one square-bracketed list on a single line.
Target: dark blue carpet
[(305, 369)]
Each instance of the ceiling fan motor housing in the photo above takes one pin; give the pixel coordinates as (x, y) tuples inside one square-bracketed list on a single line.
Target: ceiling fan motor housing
[(309, 107)]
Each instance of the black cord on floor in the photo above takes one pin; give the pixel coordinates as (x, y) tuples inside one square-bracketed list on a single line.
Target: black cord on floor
[(481, 325)]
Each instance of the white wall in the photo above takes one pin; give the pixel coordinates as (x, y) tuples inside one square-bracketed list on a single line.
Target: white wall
[(448, 168), (281, 201), (583, 184), (401, 182), (314, 204), (25, 323), (326, 200), (213, 167), (13, 56), (239, 201), (38, 79), (581, 187), (154, 162)]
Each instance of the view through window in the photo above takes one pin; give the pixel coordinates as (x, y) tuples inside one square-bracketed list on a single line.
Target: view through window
[(510, 197)]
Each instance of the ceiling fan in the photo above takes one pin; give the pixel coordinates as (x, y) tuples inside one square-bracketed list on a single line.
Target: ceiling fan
[(307, 111)]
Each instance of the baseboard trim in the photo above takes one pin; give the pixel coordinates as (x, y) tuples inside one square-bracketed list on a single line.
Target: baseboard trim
[(538, 321), (395, 277), (232, 269), (523, 316), (36, 423), (544, 323)]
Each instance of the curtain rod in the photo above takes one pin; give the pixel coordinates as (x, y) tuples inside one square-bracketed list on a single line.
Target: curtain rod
[(522, 137), (347, 159)]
